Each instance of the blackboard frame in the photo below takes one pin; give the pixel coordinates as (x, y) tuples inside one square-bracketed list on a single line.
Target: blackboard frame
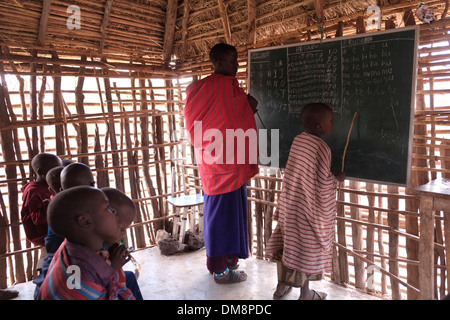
[(361, 37)]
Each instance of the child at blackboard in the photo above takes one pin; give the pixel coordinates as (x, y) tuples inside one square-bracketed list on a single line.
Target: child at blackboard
[(302, 241)]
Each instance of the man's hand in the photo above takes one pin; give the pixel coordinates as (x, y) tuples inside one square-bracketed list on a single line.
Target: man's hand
[(253, 102)]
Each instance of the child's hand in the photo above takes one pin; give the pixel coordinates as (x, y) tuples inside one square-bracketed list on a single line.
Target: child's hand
[(118, 255), (340, 176)]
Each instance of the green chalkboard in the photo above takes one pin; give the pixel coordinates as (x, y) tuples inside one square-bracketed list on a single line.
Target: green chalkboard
[(372, 74)]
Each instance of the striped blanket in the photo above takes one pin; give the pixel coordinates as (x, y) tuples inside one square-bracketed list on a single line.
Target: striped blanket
[(58, 284), (306, 208)]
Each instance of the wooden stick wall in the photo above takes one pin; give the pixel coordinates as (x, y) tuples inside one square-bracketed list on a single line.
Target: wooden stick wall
[(124, 129), (377, 226)]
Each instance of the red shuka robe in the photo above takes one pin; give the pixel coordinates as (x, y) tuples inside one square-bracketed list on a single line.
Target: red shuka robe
[(222, 129)]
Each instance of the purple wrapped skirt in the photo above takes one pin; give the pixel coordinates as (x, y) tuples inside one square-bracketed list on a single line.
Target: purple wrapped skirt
[(225, 224)]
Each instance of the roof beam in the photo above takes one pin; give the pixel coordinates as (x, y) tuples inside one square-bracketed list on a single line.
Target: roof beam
[(184, 26), (225, 22), (169, 33), (251, 12), (43, 22), (105, 22)]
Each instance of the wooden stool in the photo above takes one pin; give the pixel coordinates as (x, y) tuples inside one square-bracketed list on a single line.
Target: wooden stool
[(192, 203)]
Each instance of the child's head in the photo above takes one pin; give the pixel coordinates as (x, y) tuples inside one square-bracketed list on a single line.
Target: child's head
[(317, 118), (43, 162), (76, 174), (82, 215), (53, 179), (66, 162), (124, 207), (224, 58)]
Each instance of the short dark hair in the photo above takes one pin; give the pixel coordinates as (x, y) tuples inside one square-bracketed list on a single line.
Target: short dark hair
[(44, 162), (312, 113), (66, 206), (53, 178), (76, 174), (118, 198), (219, 50)]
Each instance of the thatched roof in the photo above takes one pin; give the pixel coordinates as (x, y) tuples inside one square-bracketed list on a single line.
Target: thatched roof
[(152, 32)]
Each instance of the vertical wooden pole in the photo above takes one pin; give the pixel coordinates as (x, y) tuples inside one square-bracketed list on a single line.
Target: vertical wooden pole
[(380, 241), (184, 28), (426, 248), (393, 222), (133, 174), (158, 138), (34, 109), (6, 140), (258, 221), (341, 238), (58, 108), (4, 242), (225, 21), (169, 33), (417, 178), (145, 153), (251, 21), (112, 133), (102, 175), (370, 239), (79, 103), (357, 238), (447, 245), (41, 111), (43, 22)]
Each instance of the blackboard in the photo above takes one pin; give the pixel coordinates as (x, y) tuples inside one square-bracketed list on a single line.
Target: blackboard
[(372, 74)]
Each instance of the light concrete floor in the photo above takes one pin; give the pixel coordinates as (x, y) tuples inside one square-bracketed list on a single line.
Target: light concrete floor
[(184, 276)]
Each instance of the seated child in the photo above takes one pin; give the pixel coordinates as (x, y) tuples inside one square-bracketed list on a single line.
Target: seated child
[(35, 196), (126, 212), (302, 241), (74, 174), (124, 207), (52, 241), (53, 179), (66, 162), (83, 217)]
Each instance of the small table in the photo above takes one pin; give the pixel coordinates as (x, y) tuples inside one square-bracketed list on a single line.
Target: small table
[(434, 196)]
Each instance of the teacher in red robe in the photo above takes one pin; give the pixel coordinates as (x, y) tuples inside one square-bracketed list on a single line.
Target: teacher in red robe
[(221, 124)]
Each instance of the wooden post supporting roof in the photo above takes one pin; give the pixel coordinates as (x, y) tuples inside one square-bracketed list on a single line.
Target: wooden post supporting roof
[(251, 8), (225, 22), (171, 18), (184, 26), (43, 22)]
